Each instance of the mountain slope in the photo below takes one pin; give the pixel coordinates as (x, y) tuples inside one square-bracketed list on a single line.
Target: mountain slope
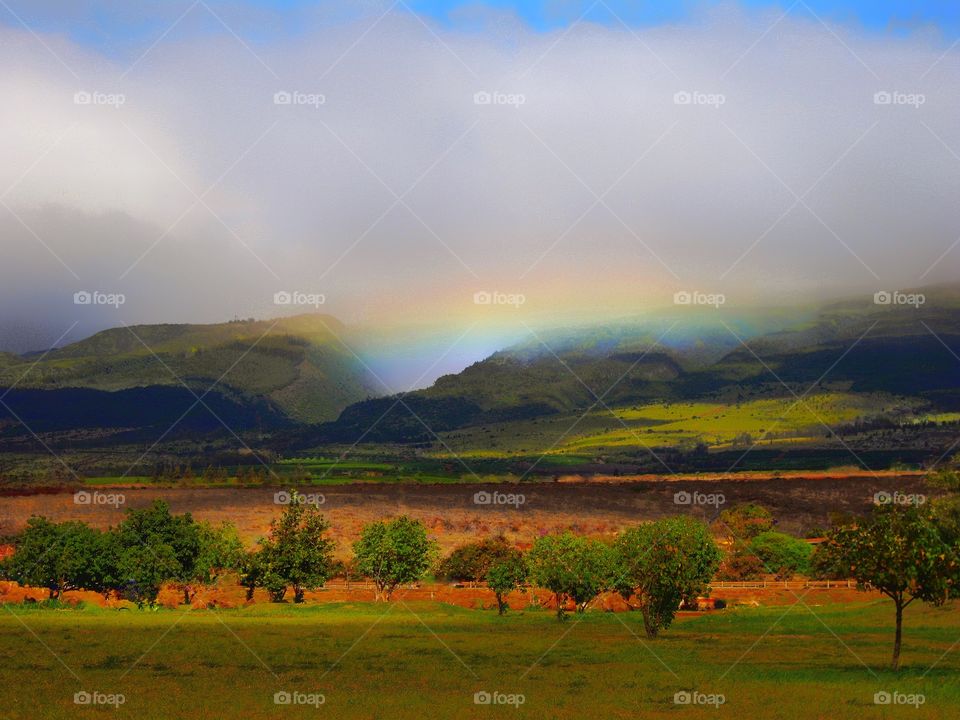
[(293, 368), (857, 346)]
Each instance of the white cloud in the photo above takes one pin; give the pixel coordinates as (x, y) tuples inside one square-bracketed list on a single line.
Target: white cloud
[(498, 208)]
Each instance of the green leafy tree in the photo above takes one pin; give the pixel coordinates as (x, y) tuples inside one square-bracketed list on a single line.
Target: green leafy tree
[(220, 552), (571, 567), (506, 576), (664, 564), (472, 561), (393, 553), (746, 521), (900, 551), (152, 547), (56, 556), (297, 551), (782, 554)]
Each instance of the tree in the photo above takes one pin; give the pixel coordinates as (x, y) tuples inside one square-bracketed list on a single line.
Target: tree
[(57, 556), (571, 567), (506, 576), (297, 551), (783, 554), (900, 551), (472, 561), (393, 553), (664, 564), (220, 551), (746, 521), (152, 547)]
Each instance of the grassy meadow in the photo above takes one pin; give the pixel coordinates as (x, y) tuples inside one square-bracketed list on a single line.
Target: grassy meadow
[(419, 659), (719, 425)]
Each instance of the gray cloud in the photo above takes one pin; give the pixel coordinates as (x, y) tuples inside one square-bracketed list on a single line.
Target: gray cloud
[(493, 196)]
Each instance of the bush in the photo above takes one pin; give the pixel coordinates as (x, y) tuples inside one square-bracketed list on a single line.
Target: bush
[(782, 554), (746, 521)]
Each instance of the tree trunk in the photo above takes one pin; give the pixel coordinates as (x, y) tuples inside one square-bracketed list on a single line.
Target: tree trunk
[(899, 634), (648, 625), (250, 589), (561, 602), (501, 604), (186, 594), (297, 594)]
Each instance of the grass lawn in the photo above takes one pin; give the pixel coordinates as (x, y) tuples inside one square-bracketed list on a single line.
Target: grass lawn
[(425, 660)]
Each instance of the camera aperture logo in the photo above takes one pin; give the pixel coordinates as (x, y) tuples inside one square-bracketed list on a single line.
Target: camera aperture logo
[(498, 498), (898, 498), (296, 297), (494, 297), (294, 697), (483, 97), (285, 498), (695, 97), (898, 698), (96, 297), (695, 297), (296, 97), (84, 697), (895, 97), (498, 698), (85, 97), (685, 497), (97, 498), (895, 297), (694, 697)]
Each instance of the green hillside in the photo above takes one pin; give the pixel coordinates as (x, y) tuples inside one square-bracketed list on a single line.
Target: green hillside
[(296, 363)]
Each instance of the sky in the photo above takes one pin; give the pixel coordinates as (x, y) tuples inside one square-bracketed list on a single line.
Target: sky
[(447, 175)]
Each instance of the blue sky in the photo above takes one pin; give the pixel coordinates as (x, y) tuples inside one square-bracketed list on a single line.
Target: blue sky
[(116, 26)]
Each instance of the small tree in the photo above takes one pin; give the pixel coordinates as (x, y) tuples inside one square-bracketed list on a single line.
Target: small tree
[(664, 564), (571, 567), (154, 546), (472, 561), (506, 576), (220, 551), (393, 553), (901, 552), (57, 556), (297, 552), (783, 554), (746, 521)]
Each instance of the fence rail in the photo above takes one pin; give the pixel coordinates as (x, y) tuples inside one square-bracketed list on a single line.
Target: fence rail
[(783, 584)]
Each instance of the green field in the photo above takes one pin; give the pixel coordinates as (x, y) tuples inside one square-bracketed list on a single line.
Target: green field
[(425, 660), (770, 421)]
